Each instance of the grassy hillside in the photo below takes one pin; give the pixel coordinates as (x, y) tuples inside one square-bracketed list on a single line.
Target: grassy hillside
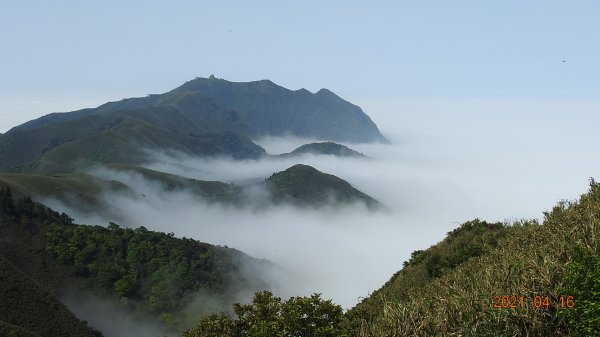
[(147, 272), (214, 191), (304, 185), (483, 279), (29, 310), (471, 239), (120, 137), (533, 280), (81, 189)]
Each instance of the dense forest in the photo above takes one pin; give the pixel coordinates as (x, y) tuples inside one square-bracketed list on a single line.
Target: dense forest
[(146, 272)]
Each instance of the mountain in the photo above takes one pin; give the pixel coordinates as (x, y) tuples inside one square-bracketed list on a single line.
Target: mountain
[(325, 148), (86, 191), (29, 310), (149, 274), (116, 137), (483, 279), (203, 117), (273, 110), (305, 185), (521, 279), (256, 108)]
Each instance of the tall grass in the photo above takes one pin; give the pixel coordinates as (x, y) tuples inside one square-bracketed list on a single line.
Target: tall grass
[(530, 260)]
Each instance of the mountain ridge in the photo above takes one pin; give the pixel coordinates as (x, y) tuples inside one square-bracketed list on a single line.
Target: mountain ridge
[(268, 108)]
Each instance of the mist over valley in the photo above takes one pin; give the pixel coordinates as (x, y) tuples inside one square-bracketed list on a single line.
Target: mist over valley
[(173, 207)]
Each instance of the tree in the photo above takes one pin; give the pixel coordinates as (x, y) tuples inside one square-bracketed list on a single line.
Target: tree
[(268, 316)]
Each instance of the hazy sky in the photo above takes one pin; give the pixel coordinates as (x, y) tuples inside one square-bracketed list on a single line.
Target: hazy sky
[(63, 55)]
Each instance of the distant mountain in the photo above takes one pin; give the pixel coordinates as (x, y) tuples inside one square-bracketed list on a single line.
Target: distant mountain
[(203, 117), (274, 110), (256, 108), (305, 185), (119, 137), (325, 148), (29, 310), (300, 184), (497, 279)]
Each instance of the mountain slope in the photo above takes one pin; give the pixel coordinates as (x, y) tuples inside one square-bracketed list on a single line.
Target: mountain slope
[(304, 185), (29, 310), (123, 137), (273, 110), (144, 272), (252, 108), (483, 279), (528, 279)]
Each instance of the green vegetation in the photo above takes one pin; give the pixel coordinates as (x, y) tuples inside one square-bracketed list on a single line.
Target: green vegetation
[(582, 281), (541, 265), (85, 192), (268, 316), (148, 272), (26, 308), (304, 185), (81, 189), (483, 279), (157, 271), (115, 137), (471, 239)]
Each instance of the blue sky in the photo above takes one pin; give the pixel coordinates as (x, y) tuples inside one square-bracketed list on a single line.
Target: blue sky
[(71, 54)]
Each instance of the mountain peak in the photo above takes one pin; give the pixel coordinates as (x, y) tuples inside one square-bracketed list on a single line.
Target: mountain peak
[(303, 184), (325, 91)]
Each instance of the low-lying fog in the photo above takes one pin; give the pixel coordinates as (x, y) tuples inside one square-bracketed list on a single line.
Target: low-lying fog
[(473, 160)]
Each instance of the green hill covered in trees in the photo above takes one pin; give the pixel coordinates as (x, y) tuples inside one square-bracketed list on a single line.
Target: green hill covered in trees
[(149, 273)]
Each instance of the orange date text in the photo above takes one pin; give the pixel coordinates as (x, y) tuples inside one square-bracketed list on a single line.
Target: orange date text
[(535, 302)]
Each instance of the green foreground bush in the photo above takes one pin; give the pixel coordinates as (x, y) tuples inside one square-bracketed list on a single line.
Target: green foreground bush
[(269, 316)]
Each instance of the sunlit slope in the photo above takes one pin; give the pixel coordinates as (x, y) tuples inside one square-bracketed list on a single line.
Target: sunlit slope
[(489, 280), (119, 137)]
